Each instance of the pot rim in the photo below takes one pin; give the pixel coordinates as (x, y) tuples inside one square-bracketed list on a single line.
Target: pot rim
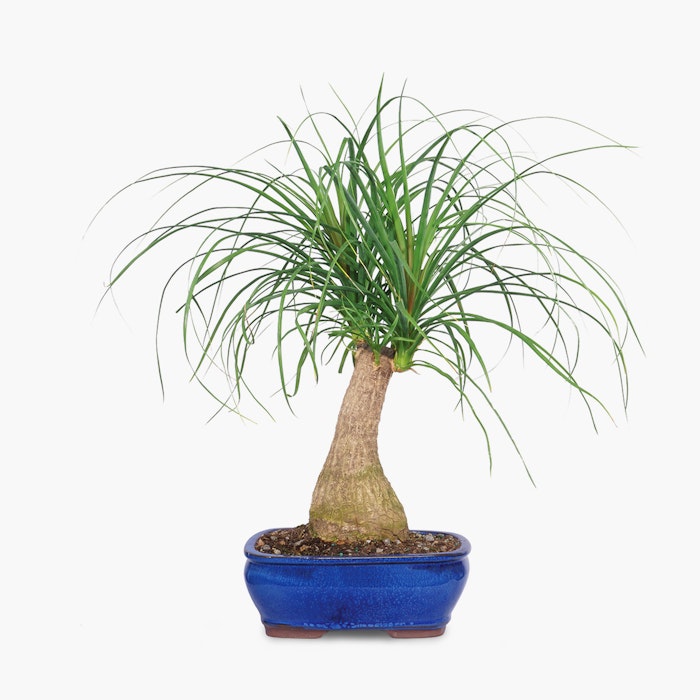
[(429, 557)]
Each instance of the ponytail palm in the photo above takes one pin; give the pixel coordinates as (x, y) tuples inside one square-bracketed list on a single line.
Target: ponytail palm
[(399, 242)]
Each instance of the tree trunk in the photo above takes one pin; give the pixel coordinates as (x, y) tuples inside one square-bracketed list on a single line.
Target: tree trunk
[(353, 499)]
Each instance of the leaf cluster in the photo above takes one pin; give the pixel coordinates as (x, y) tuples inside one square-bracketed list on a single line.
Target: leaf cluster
[(403, 229)]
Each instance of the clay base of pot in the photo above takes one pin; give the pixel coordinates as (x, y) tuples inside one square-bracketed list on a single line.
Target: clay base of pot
[(288, 632), (415, 634)]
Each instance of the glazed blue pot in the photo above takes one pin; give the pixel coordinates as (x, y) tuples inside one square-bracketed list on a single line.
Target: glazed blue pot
[(405, 595)]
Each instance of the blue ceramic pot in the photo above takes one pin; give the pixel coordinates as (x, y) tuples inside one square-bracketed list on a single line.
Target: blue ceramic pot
[(405, 595)]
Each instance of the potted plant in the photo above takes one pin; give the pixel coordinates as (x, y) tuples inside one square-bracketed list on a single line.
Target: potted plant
[(395, 242)]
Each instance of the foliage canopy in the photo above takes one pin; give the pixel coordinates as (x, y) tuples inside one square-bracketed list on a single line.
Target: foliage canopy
[(403, 229)]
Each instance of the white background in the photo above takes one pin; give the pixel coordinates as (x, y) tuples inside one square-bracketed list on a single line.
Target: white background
[(122, 517)]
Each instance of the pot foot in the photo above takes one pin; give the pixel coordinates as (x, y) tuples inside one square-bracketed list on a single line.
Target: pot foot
[(408, 633), (288, 632)]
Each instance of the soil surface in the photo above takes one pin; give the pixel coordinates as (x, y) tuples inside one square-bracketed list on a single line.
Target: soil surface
[(297, 541)]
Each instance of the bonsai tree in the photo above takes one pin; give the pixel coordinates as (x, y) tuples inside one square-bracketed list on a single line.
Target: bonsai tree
[(396, 241)]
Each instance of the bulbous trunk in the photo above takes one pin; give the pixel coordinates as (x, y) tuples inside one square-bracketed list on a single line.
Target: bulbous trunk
[(353, 499)]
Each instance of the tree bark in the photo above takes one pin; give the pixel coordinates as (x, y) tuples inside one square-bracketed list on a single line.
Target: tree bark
[(353, 499)]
